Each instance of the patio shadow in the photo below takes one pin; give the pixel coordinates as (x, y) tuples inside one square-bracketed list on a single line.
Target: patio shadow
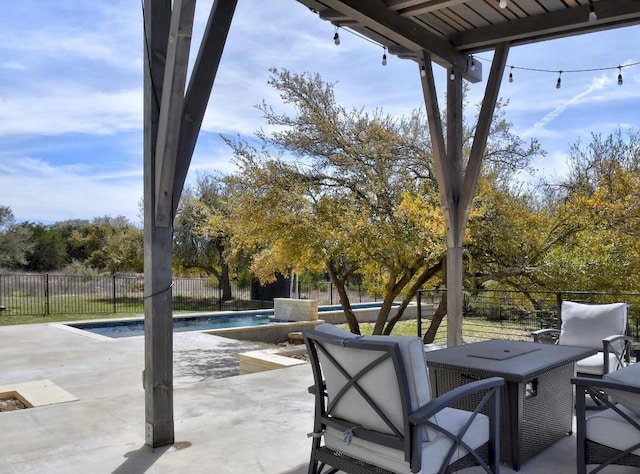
[(140, 460)]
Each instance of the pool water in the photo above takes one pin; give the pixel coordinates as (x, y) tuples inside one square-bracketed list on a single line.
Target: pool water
[(198, 323), (180, 324)]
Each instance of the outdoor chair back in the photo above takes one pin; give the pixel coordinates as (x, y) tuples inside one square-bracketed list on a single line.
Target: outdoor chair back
[(599, 326), (374, 411)]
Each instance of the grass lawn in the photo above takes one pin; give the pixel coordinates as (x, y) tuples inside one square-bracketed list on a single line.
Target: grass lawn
[(472, 330)]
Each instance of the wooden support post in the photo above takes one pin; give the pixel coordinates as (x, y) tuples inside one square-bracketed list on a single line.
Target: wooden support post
[(454, 243), (171, 126), (456, 193), (158, 373)]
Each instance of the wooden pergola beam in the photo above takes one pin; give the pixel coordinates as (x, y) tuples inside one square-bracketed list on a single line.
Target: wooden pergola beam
[(550, 25), (175, 77), (200, 87), (479, 145), (403, 31)]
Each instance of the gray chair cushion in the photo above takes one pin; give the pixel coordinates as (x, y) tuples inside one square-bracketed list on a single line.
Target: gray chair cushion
[(435, 445), (586, 325), (610, 429), (629, 375), (386, 395), (594, 365)]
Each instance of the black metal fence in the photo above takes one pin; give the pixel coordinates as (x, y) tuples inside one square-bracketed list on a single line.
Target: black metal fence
[(22, 294), (489, 314), (486, 313)]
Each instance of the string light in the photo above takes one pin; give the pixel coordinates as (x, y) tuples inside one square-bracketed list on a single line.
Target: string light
[(619, 75), (555, 71), (384, 57), (452, 76), (336, 37), (423, 71), (503, 4), (473, 64), (559, 82), (592, 14)]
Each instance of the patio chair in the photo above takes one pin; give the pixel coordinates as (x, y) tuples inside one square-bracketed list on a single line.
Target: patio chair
[(610, 435), (600, 326), (374, 412)]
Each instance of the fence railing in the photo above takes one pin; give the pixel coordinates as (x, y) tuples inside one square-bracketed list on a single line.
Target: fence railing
[(45, 294), (489, 314), (486, 313)]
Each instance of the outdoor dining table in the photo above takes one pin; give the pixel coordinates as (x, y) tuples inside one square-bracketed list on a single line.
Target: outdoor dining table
[(537, 401)]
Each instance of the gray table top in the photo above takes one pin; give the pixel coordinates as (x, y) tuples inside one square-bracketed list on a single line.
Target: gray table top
[(515, 361)]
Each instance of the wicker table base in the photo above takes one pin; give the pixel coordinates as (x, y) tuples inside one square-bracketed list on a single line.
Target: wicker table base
[(530, 421), (537, 402)]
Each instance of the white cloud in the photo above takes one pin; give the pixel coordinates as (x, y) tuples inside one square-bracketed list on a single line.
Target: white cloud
[(43, 192), (70, 109)]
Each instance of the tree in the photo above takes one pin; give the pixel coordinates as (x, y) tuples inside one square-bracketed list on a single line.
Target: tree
[(200, 237), (601, 195), (109, 243), (354, 200), (48, 251), (15, 240)]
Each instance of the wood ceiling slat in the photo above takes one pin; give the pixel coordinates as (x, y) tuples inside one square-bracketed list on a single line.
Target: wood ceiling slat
[(438, 26), (457, 22), (426, 7), (469, 15)]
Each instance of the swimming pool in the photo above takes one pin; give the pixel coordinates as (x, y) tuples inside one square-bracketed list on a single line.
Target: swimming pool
[(129, 328), (210, 322)]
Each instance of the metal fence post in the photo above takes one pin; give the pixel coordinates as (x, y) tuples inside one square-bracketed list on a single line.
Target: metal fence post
[(115, 309), (331, 292), (419, 312), (46, 293)]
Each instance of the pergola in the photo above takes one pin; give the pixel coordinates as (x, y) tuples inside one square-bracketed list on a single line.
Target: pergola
[(445, 32)]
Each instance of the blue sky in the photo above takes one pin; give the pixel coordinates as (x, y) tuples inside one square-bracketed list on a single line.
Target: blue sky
[(71, 94)]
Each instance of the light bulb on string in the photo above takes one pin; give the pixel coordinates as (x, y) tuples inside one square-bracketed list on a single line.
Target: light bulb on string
[(473, 65), (592, 14), (559, 81), (452, 76), (503, 3), (423, 71), (511, 75), (384, 57), (336, 37), (619, 75)]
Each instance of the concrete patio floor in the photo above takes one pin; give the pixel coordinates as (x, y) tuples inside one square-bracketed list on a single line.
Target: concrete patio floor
[(246, 424)]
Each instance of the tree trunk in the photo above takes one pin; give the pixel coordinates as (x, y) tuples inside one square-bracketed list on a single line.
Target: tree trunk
[(225, 283), (340, 285), (436, 319), (413, 291)]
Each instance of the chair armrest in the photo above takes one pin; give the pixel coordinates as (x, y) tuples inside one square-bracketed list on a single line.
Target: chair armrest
[(544, 332), (604, 384), (313, 390), (422, 414), (623, 356)]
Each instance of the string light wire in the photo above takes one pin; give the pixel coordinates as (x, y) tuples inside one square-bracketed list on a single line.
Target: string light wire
[(522, 68), (559, 72)]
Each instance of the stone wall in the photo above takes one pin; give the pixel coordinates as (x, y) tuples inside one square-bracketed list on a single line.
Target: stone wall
[(295, 310)]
